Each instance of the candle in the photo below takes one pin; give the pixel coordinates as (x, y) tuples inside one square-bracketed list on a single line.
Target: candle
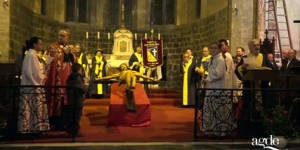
[(145, 35), (234, 5), (108, 35), (87, 35), (135, 36), (98, 35), (158, 36)]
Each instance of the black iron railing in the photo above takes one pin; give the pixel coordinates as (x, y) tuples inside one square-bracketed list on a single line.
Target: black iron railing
[(32, 112), (236, 113)]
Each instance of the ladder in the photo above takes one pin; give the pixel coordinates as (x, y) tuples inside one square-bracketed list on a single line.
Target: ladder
[(278, 26)]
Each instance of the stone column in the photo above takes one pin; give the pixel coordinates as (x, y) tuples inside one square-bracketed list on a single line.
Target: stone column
[(141, 14), (242, 24), (36, 6), (260, 18), (191, 10), (98, 12), (55, 9), (181, 16), (60, 10), (92, 12), (4, 35)]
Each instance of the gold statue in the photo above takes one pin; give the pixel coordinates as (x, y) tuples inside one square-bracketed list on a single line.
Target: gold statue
[(126, 76)]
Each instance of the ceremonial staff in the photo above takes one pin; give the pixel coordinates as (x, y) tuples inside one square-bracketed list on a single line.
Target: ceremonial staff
[(201, 95)]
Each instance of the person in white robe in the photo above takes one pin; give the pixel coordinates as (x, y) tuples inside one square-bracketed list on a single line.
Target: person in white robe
[(33, 113), (231, 78), (216, 112)]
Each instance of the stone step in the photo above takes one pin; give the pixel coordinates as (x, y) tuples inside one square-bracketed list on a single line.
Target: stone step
[(164, 95), (153, 101), (163, 90), (158, 93), (139, 146)]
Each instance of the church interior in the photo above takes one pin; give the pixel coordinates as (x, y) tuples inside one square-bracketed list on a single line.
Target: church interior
[(117, 28)]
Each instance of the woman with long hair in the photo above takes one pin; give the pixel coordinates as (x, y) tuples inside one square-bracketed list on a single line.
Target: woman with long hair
[(33, 113), (216, 112)]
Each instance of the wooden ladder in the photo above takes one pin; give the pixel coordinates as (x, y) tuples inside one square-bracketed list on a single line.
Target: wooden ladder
[(278, 26)]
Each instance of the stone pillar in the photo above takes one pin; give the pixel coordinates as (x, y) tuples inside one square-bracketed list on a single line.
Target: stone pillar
[(260, 19), (55, 9), (141, 14), (191, 10), (242, 24), (60, 10), (181, 12), (98, 12), (4, 34), (92, 10), (36, 6)]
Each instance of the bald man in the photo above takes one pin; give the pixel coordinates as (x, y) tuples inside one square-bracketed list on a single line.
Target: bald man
[(285, 53), (249, 103), (60, 69), (289, 61)]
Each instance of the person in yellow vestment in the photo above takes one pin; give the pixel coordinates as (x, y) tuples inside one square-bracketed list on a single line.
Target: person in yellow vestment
[(249, 104), (187, 69), (136, 63), (98, 71), (80, 56), (261, 60), (202, 66)]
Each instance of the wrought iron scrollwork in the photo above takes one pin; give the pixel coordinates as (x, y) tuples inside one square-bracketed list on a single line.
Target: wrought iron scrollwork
[(29, 110)]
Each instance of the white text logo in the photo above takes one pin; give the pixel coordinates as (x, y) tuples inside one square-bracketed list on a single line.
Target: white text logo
[(266, 143)]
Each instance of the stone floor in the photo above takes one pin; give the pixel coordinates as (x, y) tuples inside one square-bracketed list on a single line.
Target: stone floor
[(141, 146)]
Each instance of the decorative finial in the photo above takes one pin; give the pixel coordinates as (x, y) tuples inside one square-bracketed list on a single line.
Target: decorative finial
[(152, 33), (266, 32), (123, 15)]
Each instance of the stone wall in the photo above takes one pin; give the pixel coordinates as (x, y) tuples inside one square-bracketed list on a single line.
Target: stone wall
[(210, 7), (195, 36), (24, 24), (242, 24), (4, 33)]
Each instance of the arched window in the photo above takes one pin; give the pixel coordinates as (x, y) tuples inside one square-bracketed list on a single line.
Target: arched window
[(114, 9), (198, 8), (77, 11), (43, 7), (128, 4), (162, 12), (114, 13)]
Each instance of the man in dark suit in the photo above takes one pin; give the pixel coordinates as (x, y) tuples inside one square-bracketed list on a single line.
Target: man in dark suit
[(271, 60), (289, 61)]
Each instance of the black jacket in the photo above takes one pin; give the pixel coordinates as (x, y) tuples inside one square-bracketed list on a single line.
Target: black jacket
[(285, 68), (75, 90)]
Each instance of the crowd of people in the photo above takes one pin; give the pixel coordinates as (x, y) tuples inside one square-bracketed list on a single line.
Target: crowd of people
[(48, 105), (218, 69), (62, 64), (40, 109)]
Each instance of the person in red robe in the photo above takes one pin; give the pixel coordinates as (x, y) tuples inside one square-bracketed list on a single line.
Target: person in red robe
[(60, 69)]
